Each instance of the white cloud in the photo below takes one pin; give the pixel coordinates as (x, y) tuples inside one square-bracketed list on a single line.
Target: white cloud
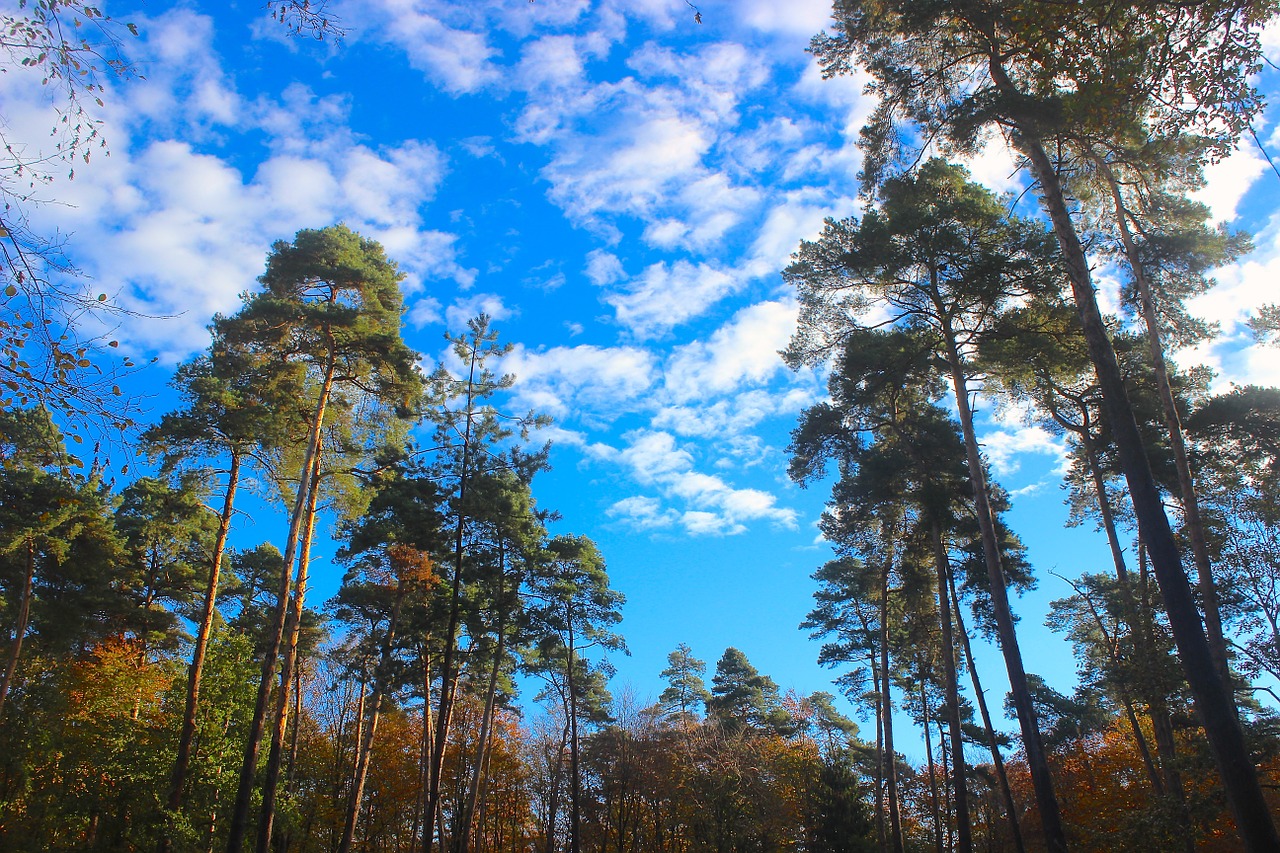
[(744, 351), (465, 308), (730, 420), (800, 19), (712, 506), (457, 59), (177, 230), (603, 267), (995, 165), (1227, 181), (425, 312), (592, 382), (551, 61), (643, 513), (1003, 447), (666, 295), (1241, 289)]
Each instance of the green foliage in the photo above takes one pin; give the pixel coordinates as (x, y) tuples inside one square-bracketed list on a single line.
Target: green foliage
[(1089, 74), (743, 699), (168, 538), (685, 689)]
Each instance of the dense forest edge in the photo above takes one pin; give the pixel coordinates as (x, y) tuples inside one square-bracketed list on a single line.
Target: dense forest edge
[(162, 689)]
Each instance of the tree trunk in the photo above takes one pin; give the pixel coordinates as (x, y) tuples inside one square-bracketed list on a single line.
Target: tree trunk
[(1214, 701), (248, 768), (293, 629), (295, 730), (934, 810), (380, 683), (491, 692), (553, 800), (575, 777), (1141, 628), (880, 762), (421, 827), (1173, 426), (1011, 808), (447, 680), (1037, 761), (20, 630), (964, 840), (886, 701), (187, 738)]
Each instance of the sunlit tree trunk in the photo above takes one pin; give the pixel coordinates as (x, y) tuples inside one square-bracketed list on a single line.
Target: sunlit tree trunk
[(1214, 700), (292, 633), (1011, 807), (886, 701), (20, 629), (187, 738), (964, 840), (1037, 761), (248, 769), (1173, 426)]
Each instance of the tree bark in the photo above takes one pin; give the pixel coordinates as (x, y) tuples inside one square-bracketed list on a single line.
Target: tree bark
[(248, 769), (1214, 701), (196, 671), (886, 701), (491, 692), (997, 760), (293, 629), (20, 630), (964, 839), (1173, 426), (380, 683), (934, 810), (1037, 761), (447, 679)]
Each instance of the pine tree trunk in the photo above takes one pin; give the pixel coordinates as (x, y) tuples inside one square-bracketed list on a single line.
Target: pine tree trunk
[(248, 769), (194, 674), (422, 828), (880, 763), (1173, 426), (575, 777), (886, 701), (1037, 761), (934, 811), (964, 839), (1214, 701), (447, 678), (1133, 616), (1011, 808), (490, 699), (381, 680), (293, 628), (20, 630)]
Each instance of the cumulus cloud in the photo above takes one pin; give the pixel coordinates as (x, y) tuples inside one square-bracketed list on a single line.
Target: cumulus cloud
[(451, 55), (1003, 447), (643, 513), (1241, 289), (1228, 180), (711, 505), (666, 295), (176, 229), (596, 382), (744, 351)]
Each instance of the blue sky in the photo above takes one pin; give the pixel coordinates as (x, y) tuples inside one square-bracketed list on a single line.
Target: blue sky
[(618, 186)]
